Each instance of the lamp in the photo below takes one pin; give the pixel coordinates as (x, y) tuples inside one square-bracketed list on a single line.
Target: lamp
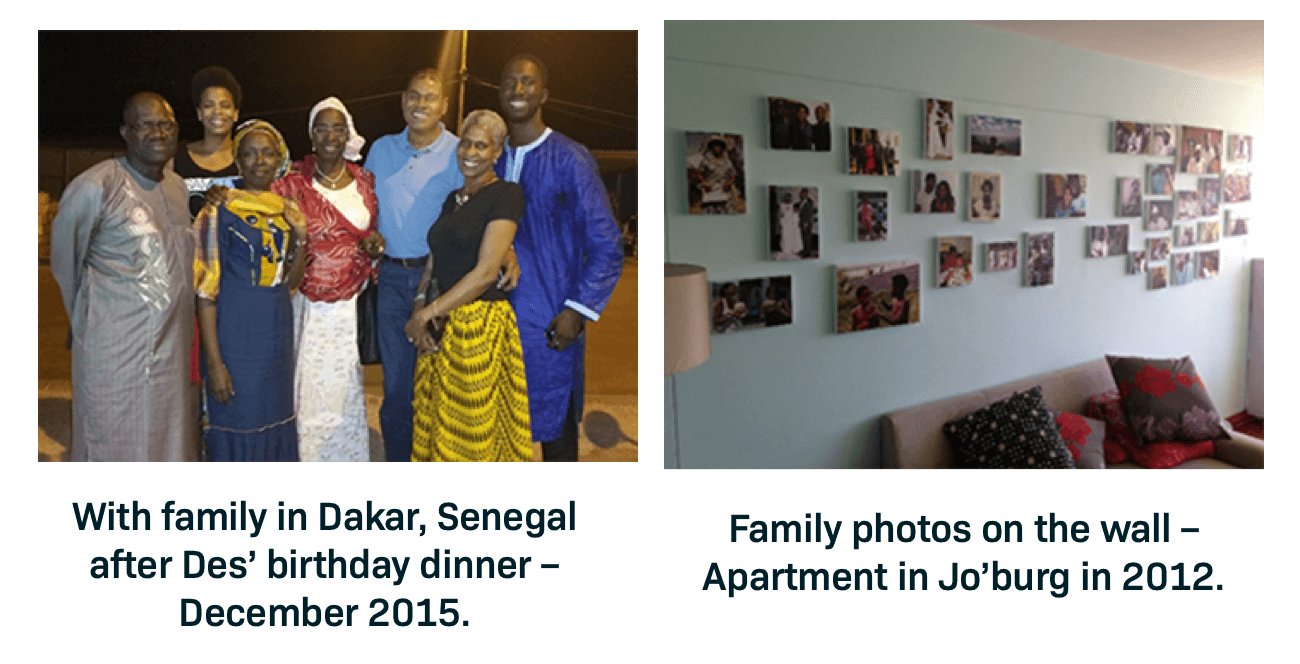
[(686, 333), (686, 317)]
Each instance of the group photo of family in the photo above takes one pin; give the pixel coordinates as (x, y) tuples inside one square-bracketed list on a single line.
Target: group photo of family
[(254, 256)]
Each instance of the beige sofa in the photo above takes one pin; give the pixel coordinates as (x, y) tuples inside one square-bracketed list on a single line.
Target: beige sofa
[(913, 437)]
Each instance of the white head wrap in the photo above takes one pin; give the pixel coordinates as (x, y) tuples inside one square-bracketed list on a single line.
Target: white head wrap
[(352, 150)]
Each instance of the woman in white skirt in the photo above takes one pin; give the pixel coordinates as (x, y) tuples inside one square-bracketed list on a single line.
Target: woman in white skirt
[(338, 199)]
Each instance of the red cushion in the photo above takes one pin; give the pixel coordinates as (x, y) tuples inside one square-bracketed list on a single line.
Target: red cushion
[(1121, 445)]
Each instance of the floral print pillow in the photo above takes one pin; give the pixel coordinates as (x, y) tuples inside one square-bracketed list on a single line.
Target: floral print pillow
[(1084, 437), (1165, 399)]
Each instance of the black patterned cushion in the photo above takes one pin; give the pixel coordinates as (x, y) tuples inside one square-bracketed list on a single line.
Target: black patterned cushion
[(1017, 432)]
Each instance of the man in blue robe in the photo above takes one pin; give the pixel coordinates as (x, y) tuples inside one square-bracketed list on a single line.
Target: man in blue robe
[(570, 255)]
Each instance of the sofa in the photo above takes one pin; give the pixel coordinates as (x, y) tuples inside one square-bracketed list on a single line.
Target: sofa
[(913, 437)]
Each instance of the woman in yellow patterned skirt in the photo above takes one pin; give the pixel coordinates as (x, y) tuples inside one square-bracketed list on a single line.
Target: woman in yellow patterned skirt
[(471, 399)]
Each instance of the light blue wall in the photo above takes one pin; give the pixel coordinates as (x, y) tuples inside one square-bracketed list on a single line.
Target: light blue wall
[(802, 396)]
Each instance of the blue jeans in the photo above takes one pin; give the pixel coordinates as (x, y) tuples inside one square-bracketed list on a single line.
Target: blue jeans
[(397, 285)]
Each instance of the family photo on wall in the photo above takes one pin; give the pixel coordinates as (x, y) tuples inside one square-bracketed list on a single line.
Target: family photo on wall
[(750, 304), (795, 124), (877, 296), (793, 221), (715, 173), (874, 151)]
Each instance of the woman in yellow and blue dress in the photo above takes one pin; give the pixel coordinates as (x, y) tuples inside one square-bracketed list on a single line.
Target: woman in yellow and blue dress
[(250, 257)]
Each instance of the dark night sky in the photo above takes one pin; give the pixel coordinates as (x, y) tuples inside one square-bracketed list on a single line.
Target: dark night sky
[(85, 77)]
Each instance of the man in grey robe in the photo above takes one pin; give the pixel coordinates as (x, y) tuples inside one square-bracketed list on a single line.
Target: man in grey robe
[(122, 253)]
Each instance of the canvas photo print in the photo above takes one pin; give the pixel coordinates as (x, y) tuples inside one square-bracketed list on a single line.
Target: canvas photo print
[(1207, 264), (1157, 249), (1207, 189), (985, 190), (1116, 239), (1130, 197), (1131, 138), (1160, 179), (939, 125), (793, 223), (1163, 140), (1000, 256), (751, 304), (1137, 261), (993, 135), (1096, 244), (1236, 186), (1200, 150), (1040, 258), (877, 295), (1185, 235), (1160, 215), (1188, 206), (1207, 232), (715, 173), (1234, 224), (872, 212), (1239, 148), (955, 261), (1158, 276), (796, 124), (934, 192), (1184, 269), (1065, 195), (874, 151)]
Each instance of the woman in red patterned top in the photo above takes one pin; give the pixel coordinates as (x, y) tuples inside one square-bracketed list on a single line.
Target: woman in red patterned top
[(338, 199)]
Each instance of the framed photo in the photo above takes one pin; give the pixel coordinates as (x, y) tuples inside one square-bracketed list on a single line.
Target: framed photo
[(1239, 148), (1131, 138), (1234, 224), (1207, 232), (1207, 264), (796, 124), (1130, 197), (1158, 276), (1065, 195), (751, 304), (1207, 189), (1116, 239), (877, 295), (985, 190), (1137, 261), (1188, 206), (1236, 186), (872, 213), (1163, 143), (1000, 256), (793, 223), (955, 260), (1097, 244), (874, 151), (1200, 151), (1185, 235), (993, 135), (1157, 249), (1160, 215), (934, 192), (1040, 258), (1160, 179), (939, 125), (1183, 267), (715, 173)]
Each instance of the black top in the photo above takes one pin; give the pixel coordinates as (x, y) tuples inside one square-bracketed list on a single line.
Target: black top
[(456, 237), (198, 179)]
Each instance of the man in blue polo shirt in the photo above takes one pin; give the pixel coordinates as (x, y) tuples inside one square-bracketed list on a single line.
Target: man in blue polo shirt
[(414, 172)]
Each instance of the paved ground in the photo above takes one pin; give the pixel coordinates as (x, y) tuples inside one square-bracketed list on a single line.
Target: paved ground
[(609, 430)]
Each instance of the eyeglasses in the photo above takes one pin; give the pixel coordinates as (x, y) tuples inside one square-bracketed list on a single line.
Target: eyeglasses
[(327, 131), (149, 127)]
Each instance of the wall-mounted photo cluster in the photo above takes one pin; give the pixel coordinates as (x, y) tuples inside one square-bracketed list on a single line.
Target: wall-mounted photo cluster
[(887, 294)]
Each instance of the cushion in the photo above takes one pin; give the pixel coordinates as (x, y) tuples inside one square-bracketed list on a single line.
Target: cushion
[(1120, 445), (1165, 399), (1017, 432), (1084, 437)]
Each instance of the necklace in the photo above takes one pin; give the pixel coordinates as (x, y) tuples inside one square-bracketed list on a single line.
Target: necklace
[(462, 196), (331, 182)]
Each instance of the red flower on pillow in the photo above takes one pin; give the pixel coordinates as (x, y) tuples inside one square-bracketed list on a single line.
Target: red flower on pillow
[(1074, 430), (1184, 380), (1156, 382)]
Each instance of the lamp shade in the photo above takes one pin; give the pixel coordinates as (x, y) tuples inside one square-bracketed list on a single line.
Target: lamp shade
[(686, 317)]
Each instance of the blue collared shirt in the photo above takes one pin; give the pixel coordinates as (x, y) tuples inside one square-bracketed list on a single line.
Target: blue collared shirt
[(411, 186)]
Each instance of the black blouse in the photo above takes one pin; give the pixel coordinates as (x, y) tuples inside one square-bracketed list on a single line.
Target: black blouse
[(456, 237)]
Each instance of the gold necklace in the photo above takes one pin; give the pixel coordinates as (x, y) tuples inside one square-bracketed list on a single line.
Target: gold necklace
[(332, 182)]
